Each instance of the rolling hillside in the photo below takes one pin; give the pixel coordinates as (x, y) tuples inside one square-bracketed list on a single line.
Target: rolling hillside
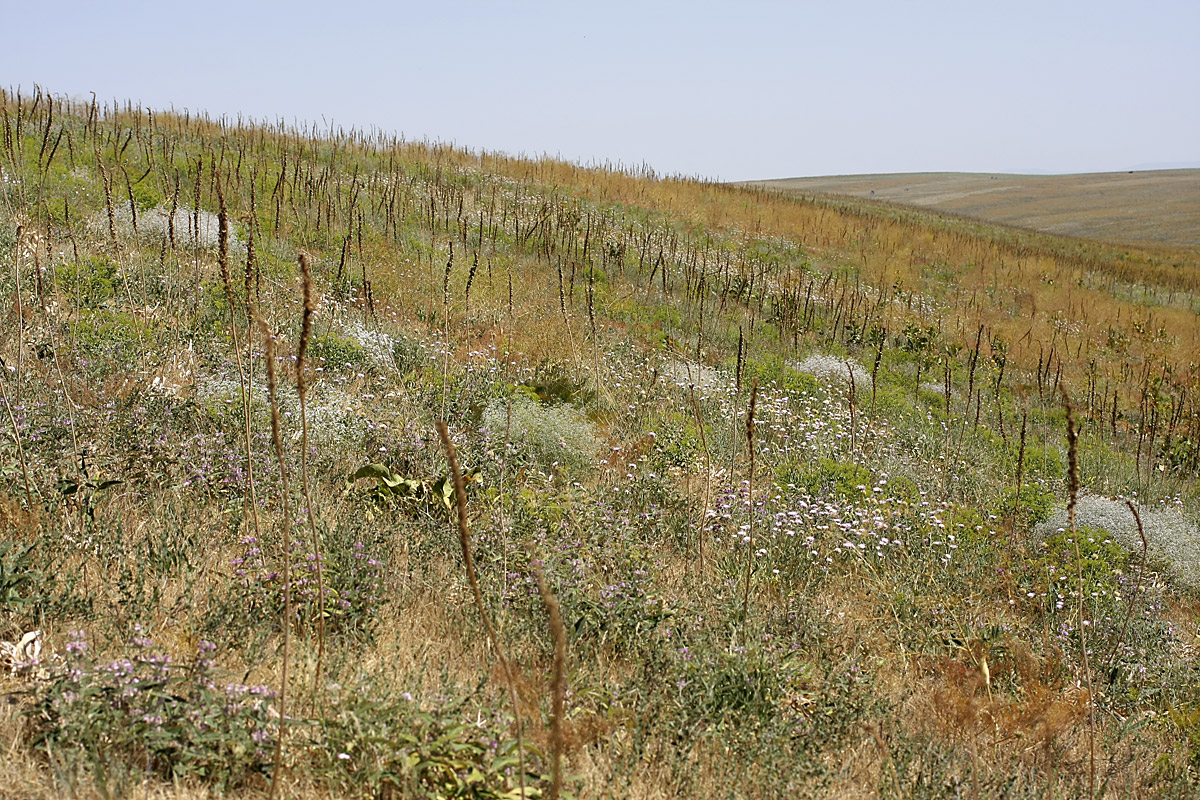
[(1159, 207), (354, 467)]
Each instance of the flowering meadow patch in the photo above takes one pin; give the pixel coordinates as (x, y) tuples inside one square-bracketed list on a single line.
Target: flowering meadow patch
[(180, 719)]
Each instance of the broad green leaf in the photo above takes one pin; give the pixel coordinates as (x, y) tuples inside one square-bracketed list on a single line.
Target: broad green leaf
[(377, 471)]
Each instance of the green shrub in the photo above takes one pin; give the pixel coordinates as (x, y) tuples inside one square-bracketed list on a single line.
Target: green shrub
[(408, 355), (352, 577), (1036, 505), (623, 617), (145, 196), (1043, 460), (21, 582), (902, 488), (336, 353), (890, 400), (774, 369), (89, 282), (830, 478), (934, 402), (555, 386), (1187, 719), (8, 235), (738, 684), (114, 337), (1100, 558), (968, 526), (391, 747), (678, 441)]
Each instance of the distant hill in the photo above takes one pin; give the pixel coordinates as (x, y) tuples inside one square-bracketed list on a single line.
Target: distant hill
[(1159, 207)]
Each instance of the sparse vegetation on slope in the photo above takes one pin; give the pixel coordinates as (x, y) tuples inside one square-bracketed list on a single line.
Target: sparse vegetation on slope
[(862, 592)]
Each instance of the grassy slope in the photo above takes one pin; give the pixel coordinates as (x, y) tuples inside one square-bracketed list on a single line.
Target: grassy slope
[(1159, 208), (901, 624)]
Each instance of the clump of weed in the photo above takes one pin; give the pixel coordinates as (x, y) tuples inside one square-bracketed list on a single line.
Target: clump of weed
[(90, 282), (1173, 540), (332, 352), (155, 715), (392, 746), (1032, 506), (730, 685), (835, 370), (829, 478), (1100, 558), (553, 436)]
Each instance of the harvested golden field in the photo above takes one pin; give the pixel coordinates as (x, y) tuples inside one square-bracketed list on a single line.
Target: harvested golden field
[(1159, 207)]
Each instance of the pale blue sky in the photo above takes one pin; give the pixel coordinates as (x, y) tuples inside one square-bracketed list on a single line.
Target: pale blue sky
[(723, 90)]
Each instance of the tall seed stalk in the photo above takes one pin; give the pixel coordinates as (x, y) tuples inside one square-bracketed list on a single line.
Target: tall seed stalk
[(562, 308), (464, 539), (20, 315), (1111, 660), (738, 368), (244, 376), (1073, 477), (277, 439), (16, 436), (247, 405), (1020, 465), (707, 472), (853, 392), (54, 355), (446, 327), (875, 366), (108, 201), (301, 390), (750, 492), (558, 682)]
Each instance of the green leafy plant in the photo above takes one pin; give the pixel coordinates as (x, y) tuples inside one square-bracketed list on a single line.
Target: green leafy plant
[(1187, 719), (89, 282), (86, 492), (334, 352), (391, 747), (434, 493), (734, 684), (1034, 505), (19, 576), (1100, 559)]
